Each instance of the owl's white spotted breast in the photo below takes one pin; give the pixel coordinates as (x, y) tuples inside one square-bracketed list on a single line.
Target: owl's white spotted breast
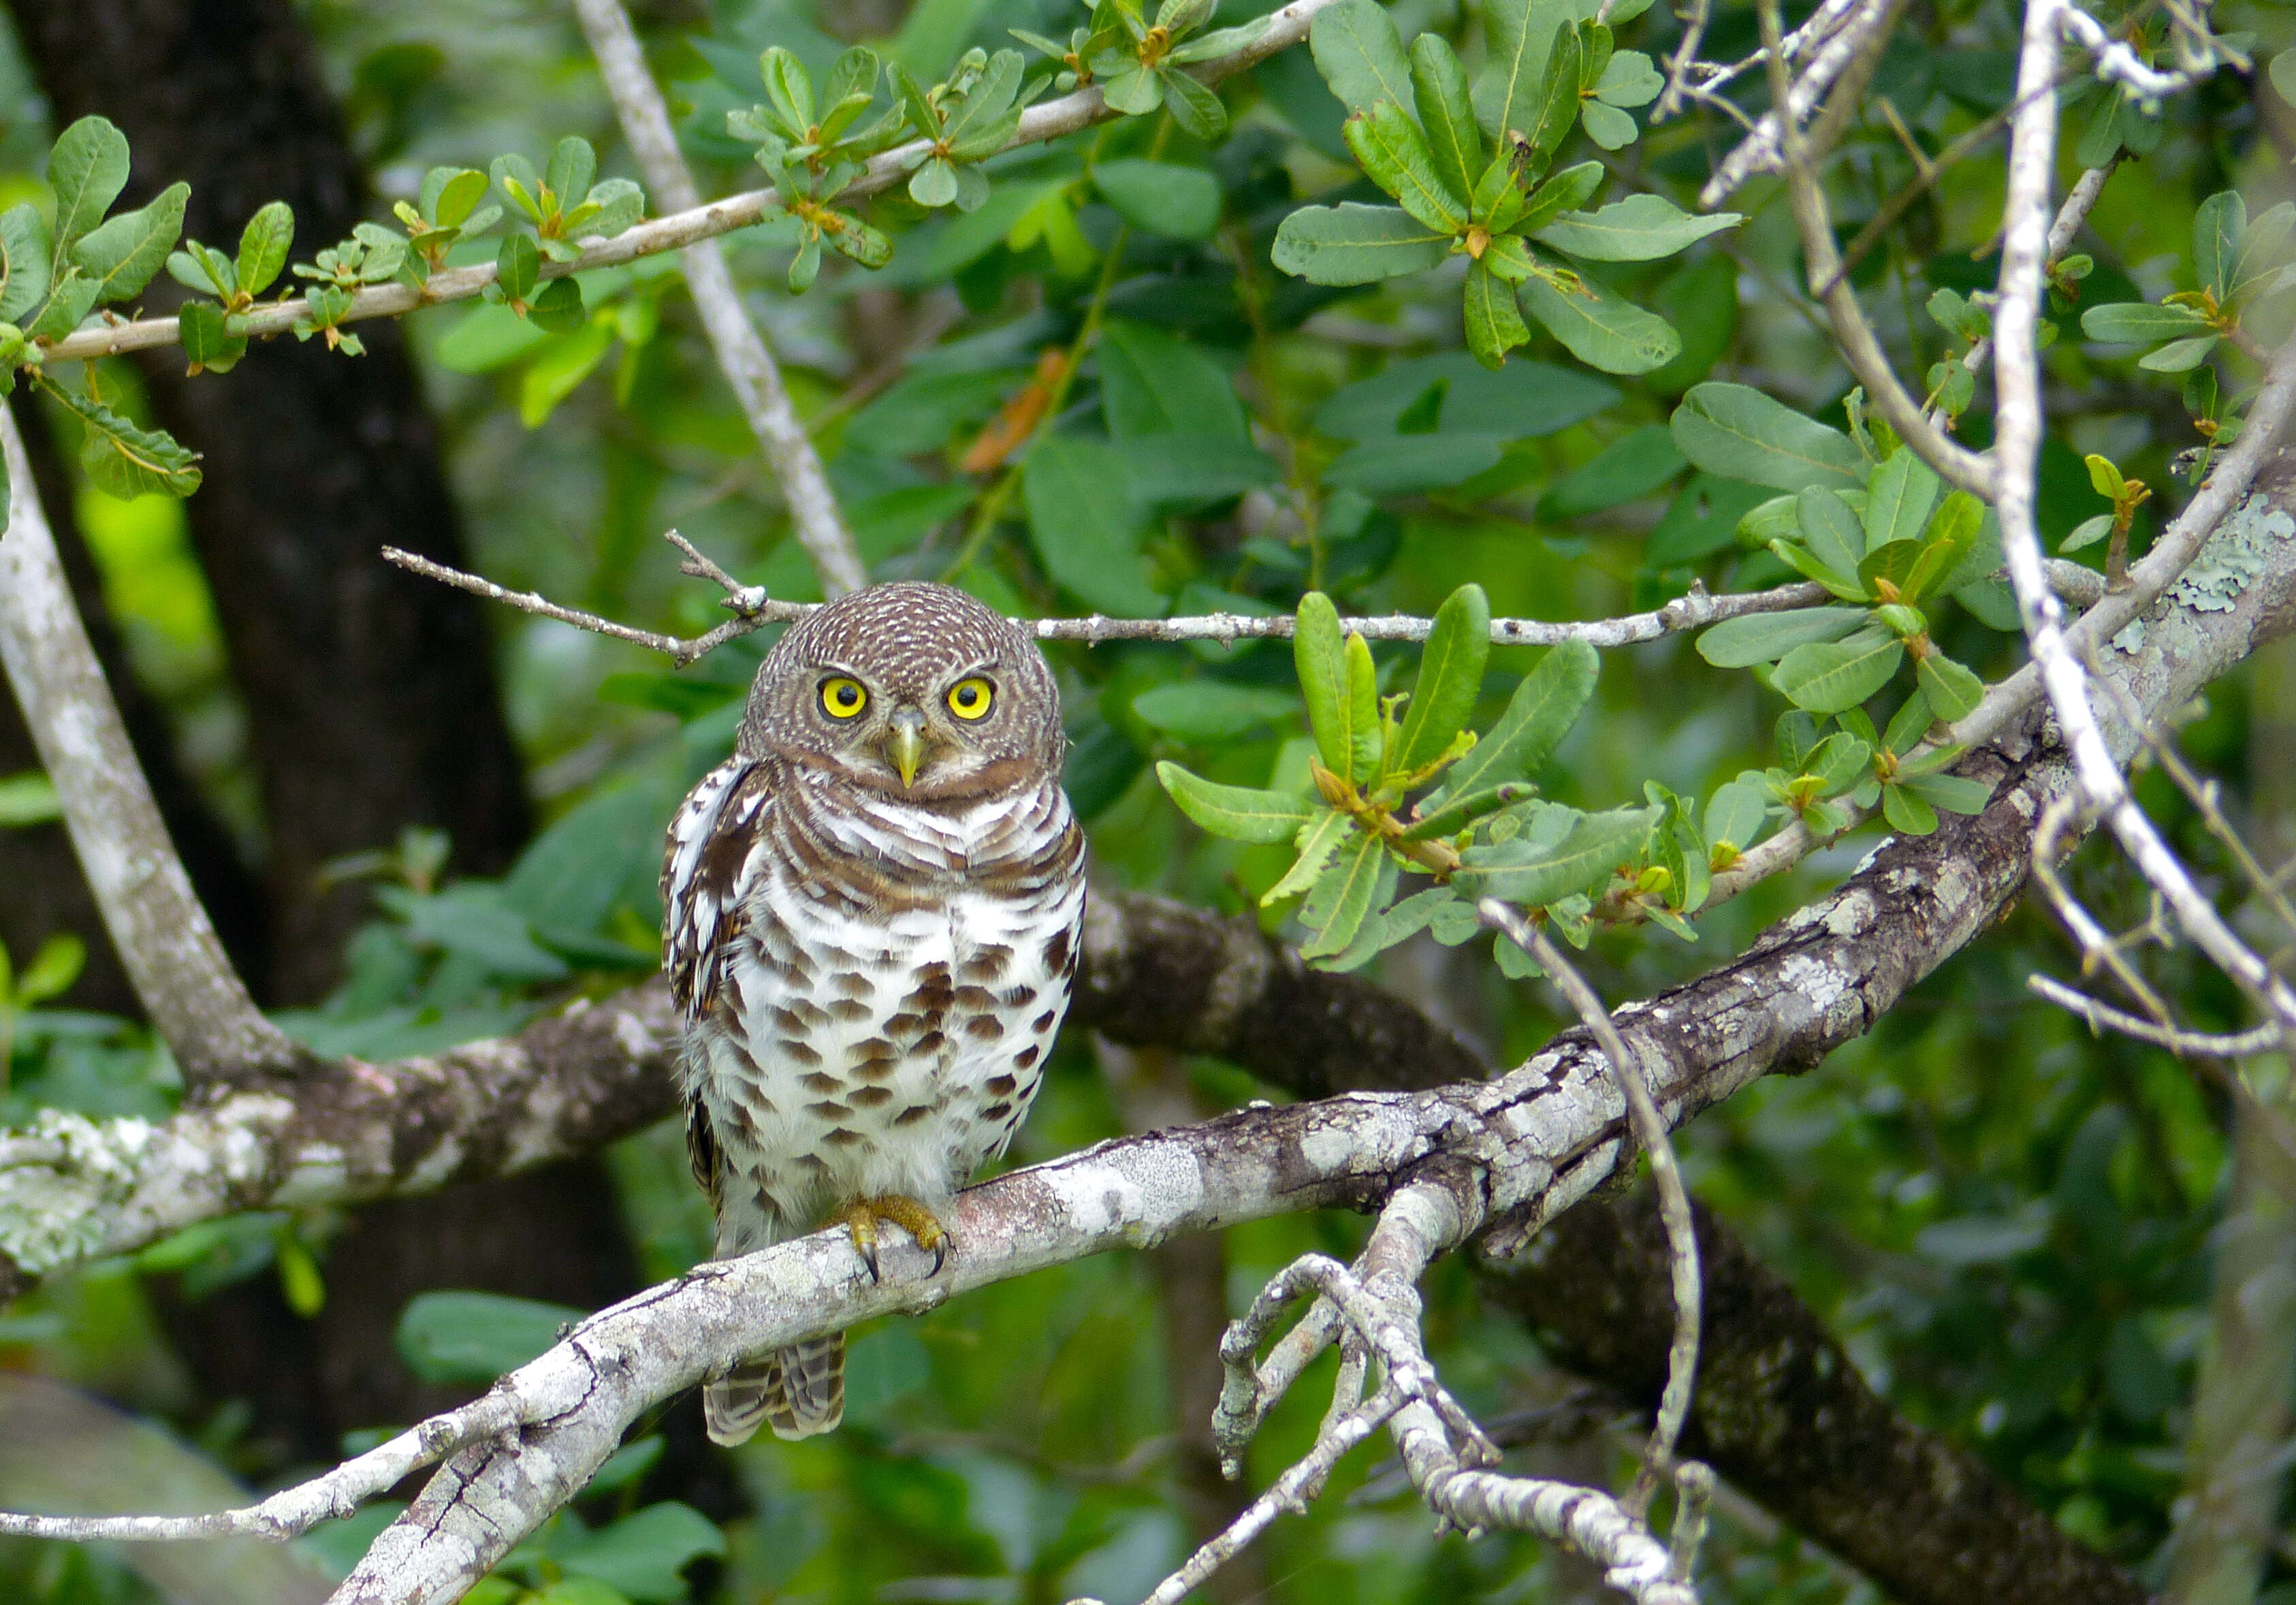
[(873, 989)]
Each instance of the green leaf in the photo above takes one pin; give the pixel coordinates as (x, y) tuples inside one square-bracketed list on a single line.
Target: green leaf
[(53, 969), (559, 372), (87, 169), (1155, 383), (1526, 872), (1737, 811), (1202, 712), (1405, 464), (1840, 761), (29, 798), (1319, 839), (448, 197), (1160, 197), (1955, 793), (789, 86), (2104, 476), (1195, 106), (1641, 228), (1086, 527), (1953, 688), (1518, 35), (573, 164), (1320, 657), (208, 344), (1766, 637), (1828, 677), (2088, 533), (1562, 193), (557, 307), (471, 1338), (2178, 356), (1439, 91), (25, 255), (1602, 329), (1394, 152), (641, 1556), (119, 257), (71, 297), (2140, 324), (2218, 224), (1559, 101), (1494, 322), (1539, 716), (1452, 817), (1898, 499), (621, 206), (1366, 739), (269, 234), (1450, 678), (1638, 464), (516, 265), (1134, 91), (1348, 892), (1906, 813), (127, 461), (1237, 813), (1739, 433), (934, 184), (1351, 244), (1360, 55), (1607, 126), (1629, 79)]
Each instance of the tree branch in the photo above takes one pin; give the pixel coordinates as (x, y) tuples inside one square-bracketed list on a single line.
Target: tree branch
[(741, 353), (754, 609), (164, 939), (1051, 120)]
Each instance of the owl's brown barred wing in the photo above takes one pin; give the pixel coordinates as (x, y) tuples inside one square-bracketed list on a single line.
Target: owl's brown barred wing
[(702, 1152), (704, 871)]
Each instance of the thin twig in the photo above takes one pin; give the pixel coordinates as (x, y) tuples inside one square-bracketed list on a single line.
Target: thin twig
[(182, 976), (755, 610), (293, 1511), (1666, 1175), (2178, 1040), (1853, 335), (742, 353)]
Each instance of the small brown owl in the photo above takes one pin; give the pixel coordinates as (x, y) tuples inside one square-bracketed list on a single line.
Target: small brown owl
[(873, 917)]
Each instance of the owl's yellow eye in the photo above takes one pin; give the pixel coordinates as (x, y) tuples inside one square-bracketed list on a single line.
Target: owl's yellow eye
[(842, 699), (970, 698)]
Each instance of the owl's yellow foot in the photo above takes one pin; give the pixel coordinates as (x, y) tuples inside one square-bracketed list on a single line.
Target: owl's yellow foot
[(860, 1218)]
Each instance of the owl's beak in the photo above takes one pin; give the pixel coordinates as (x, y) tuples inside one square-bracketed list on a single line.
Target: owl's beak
[(905, 743)]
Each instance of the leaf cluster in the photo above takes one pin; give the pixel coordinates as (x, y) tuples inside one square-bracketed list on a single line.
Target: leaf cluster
[(1478, 827), (2237, 264), (1469, 171)]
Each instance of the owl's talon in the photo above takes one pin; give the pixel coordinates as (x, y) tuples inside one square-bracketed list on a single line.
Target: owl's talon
[(861, 1216)]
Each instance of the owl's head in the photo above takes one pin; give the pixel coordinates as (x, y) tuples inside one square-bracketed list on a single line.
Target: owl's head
[(913, 689)]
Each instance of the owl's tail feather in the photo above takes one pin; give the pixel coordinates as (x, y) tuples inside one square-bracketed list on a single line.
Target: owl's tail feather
[(799, 1392)]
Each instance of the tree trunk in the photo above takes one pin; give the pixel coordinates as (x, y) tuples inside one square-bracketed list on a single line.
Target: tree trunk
[(371, 694), (46, 894)]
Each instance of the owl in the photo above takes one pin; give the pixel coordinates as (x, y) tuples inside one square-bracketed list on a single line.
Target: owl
[(872, 916)]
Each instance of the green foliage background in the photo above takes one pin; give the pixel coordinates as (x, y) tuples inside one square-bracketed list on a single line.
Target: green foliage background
[(2008, 1223)]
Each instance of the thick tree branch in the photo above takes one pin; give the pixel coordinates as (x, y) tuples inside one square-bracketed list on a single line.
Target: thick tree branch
[(741, 353), (162, 935)]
